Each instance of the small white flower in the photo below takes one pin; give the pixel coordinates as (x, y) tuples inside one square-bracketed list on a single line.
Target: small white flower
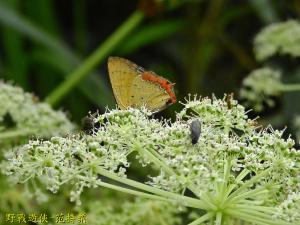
[(282, 38), (260, 86)]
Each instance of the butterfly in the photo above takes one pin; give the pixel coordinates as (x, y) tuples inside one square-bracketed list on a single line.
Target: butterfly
[(135, 87)]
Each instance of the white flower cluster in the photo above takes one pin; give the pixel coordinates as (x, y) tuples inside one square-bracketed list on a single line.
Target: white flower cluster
[(246, 146), (234, 165), (28, 116), (282, 38), (260, 86), (289, 209), (60, 160)]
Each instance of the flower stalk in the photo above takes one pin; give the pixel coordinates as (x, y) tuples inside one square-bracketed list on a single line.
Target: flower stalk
[(95, 58)]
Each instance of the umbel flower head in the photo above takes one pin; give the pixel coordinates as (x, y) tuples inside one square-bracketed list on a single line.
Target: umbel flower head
[(22, 115), (282, 38), (235, 171), (260, 86)]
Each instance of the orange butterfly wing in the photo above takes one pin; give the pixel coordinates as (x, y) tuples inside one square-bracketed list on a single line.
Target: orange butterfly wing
[(131, 89)]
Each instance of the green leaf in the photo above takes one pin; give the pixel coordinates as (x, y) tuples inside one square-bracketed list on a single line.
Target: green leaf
[(98, 92), (150, 34), (265, 10), (16, 64)]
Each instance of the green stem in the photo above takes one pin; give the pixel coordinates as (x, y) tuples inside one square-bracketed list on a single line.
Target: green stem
[(202, 219), (188, 201), (290, 87), (219, 218), (248, 194), (130, 191), (222, 190), (16, 133), (258, 214), (250, 182), (95, 58), (252, 202), (208, 201), (248, 216), (265, 209), (238, 179)]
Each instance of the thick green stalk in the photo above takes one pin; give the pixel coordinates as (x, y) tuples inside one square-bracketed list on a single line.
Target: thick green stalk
[(13, 134), (251, 216), (290, 87), (219, 218), (259, 191), (265, 209), (130, 191), (95, 58), (249, 183), (188, 201), (202, 219), (223, 186)]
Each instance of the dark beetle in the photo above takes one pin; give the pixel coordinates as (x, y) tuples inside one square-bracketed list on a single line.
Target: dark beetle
[(88, 125), (195, 128)]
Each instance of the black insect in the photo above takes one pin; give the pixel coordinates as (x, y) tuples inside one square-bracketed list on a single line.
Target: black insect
[(88, 124), (195, 128), (229, 99)]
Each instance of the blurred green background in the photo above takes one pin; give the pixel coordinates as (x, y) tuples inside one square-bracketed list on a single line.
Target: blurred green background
[(203, 46)]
